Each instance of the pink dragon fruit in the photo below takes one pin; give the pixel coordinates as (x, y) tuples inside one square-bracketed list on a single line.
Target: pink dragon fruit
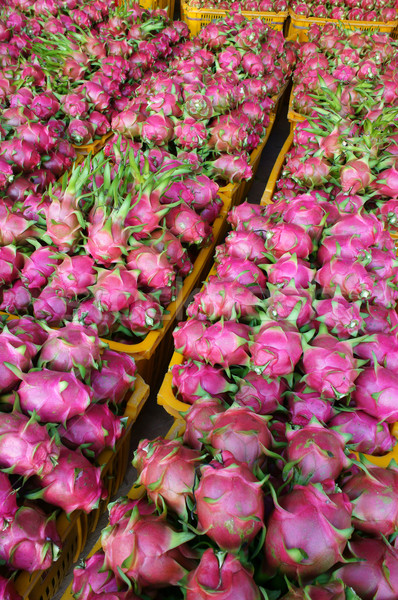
[(157, 130), (373, 574), (245, 245), (197, 381), (219, 299), (88, 314), (51, 307), (153, 268), (188, 226), (304, 404), (39, 266), (355, 176), (334, 590), (243, 433), (27, 330), (317, 453), (289, 267), (288, 547), (98, 428), (342, 318), (258, 392), (44, 105), (329, 366), (90, 580), (386, 183), (11, 261), (166, 469), (371, 494), (72, 348), (73, 276), (225, 344), (16, 299), (242, 213), (375, 391), (285, 238), (366, 226), (64, 223), (176, 254), (190, 134), (233, 168), (31, 541), (16, 353), (230, 507), (290, 304), (8, 501), (276, 349), (197, 420), (107, 235), (163, 560), (387, 212), (67, 395), (186, 337), (224, 578), (244, 272), (114, 289), (7, 589), (146, 313), (381, 348), (115, 378), (378, 319), (73, 483), (351, 277)]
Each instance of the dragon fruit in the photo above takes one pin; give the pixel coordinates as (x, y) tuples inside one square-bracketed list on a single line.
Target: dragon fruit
[(8, 501), (233, 168), (224, 578), (373, 574), (176, 254), (188, 226), (342, 318), (286, 238), (351, 277), (260, 393), (198, 381), (73, 483), (366, 433), (244, 272), (11, 261), (7, 589), (64, 223), (114, 289), (163, 560), (115, 378), (243, 433), (230, 507), (378, 319), (290, 549), (290, 304), (304, 404), (44, 105), (89, 579), (276, 349), (225, 344), (157, 130), (197, 420), (381, 348), (329, 366), (166, 469), (386, 183), (89, 314), (16, 299), (98, 428), (153, 268), (190, 134), (107, 235), (227, 136), (145, 314), (220, 299), (51, 307), (371, 494), (355, 176), (317, 453), (67, 395), (241, 214), (39, 266), (375, 391), (335, 590), (31, 541), (72, 348), (245, 245), (289, 267), (17, 353)]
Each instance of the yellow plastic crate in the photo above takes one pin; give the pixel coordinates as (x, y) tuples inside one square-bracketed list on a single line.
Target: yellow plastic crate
[(276, 171), (197, 18), (394, 34), (299, 25), (155, 4), (73, 531), (292, 115)]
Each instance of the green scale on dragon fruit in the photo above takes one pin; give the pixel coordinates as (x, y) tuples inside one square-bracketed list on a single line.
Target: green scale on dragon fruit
[(121, 239), (209, 107)]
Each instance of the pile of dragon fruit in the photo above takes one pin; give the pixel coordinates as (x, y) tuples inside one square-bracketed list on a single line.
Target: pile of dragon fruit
[(353, 68), (289, 378), (352, 10), (273, 6), (63, 394), (64, 77), (110, 246), (210, 103)]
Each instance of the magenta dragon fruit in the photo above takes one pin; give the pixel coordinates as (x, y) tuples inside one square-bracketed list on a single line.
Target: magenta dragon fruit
[(90, 580), (244, 272), (304, 404), (243, 433), (73, 276), (195, 381), (72, 348), (366, 433), (262, 394), (190, 134), (317, 453), (8, 506), (51, 307), (88, 313), (245, 245), (73, 483), (98, 428), (372, 494), (115, 377), (7, 589), (374, 572), (31, 541), (220, 299), (166, 469), (163, 560), (289, 549), (224, 578), (289, 267), (11, 262), (230, 506), (188, 226), (39, 266), (197, 420), (286, 238), (334, 590), (276, 349), (381, 348), (355, 176), (114, 289), (330, 367), (233, 168), (375, 391), (342, 318), (153, 268), (290, 304), (16, 353)]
